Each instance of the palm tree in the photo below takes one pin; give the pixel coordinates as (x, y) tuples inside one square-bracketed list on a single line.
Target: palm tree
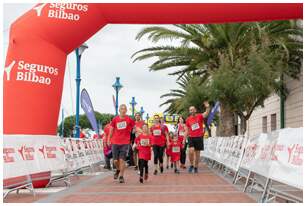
[(191, 91), (203, 48)]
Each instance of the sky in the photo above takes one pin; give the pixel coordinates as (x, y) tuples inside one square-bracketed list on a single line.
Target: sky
[(108, 56)]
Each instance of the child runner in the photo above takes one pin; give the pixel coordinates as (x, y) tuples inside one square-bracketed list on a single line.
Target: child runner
[(175, 147), (160, 140), (144, 143), (168, 150)]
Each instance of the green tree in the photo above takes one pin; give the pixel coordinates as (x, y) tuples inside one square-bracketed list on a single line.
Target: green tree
[(206, 49), (69, 122)]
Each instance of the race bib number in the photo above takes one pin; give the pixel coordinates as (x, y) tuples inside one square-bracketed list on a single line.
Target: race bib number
[(181, 133), (121, 125), (195, 126), (175, 149), (157, 132), (144, 142)]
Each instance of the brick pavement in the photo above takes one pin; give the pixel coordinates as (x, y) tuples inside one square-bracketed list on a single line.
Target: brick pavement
[(168, 187)]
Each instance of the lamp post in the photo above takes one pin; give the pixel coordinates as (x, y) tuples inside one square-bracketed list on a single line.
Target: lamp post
[(141, 111), (79, 51), (117, 86), (147, 117), (133, 103)]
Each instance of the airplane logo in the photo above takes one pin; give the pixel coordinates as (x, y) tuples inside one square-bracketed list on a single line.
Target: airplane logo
[(8, 70), (39, 8)]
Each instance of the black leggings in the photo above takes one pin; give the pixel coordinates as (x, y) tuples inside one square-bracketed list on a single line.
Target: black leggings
[(143, 164), (158, 154), (183, 155)]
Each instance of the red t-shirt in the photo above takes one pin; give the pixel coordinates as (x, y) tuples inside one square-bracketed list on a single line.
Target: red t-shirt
[(195, 125), (82, 135), (106, 133), (144, 152), (175, 151), (138, 124), (181, 132), (159, 135), (121, 129)]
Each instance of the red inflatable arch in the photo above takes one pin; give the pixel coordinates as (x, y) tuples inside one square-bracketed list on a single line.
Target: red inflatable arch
[(41, 39)]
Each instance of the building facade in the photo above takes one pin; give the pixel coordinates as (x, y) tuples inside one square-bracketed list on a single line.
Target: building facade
[(267, 118)]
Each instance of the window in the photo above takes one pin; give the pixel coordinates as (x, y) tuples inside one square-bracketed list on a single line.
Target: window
[(264, 124), (273, 122)]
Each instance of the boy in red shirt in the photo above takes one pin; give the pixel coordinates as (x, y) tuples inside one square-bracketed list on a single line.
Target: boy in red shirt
[(195, 130), (119, 137), (175, 148), (144, 143)]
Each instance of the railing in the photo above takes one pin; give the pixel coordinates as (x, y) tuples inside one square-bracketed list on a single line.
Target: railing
[(272, 162)]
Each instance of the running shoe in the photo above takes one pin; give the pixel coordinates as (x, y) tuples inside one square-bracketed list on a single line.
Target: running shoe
[(141, 180), (161, 169), (146, 177), (171, 165), (116, 174), (190, 169), (121, 179), (155, 172), (195, 170)]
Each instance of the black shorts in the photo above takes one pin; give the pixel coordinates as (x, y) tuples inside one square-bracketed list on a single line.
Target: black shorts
[(196, 142), (120, 151)]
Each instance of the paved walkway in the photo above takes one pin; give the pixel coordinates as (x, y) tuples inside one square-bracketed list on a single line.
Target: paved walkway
[(205, 186)]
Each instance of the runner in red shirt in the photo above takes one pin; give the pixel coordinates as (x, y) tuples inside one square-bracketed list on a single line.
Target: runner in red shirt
[(194, 125), (175, 147), (168, 151), (182, 137), (137, 130), (144, 143), (119, 137), (107, 149), (160, 139)]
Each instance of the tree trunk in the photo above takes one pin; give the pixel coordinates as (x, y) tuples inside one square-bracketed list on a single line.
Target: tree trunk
[(226, 126), (243, 124)]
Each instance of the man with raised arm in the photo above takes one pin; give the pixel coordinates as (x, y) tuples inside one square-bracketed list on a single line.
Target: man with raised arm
[(195, 132)]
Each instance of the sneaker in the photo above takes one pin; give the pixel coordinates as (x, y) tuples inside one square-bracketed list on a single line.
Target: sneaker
[(161, 169), (121, 179), (146, 177), (171, 165), (116, 174), (155, 172), (177, 171), (195, 170), (141, 180), (190, 169)]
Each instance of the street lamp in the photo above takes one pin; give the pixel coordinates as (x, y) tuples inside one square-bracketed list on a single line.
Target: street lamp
[(117, 86), (133, 103), (141, 111), (78, 51), (147, 117)]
